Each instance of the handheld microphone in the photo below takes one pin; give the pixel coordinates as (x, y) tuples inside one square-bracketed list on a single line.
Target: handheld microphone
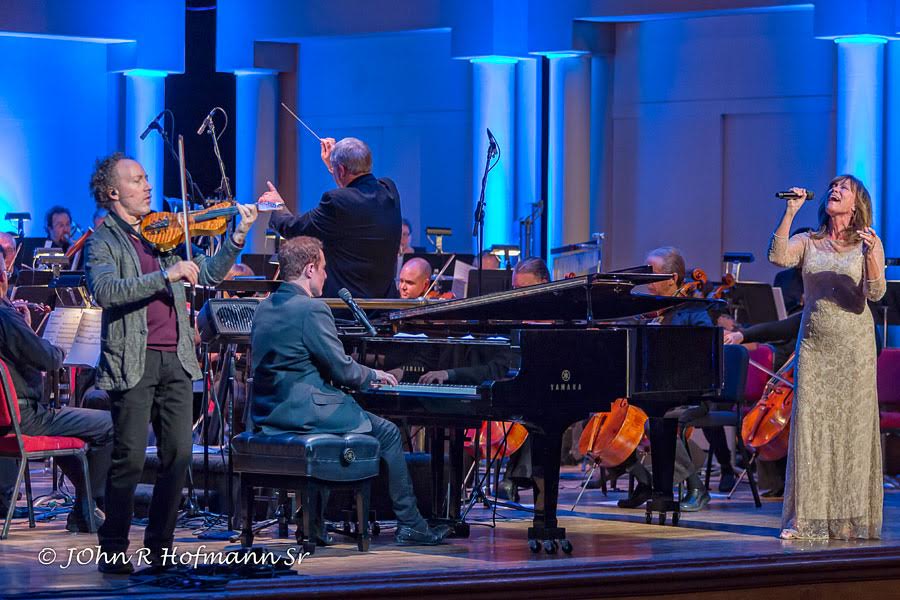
[(344, 293), (205, 122), (154, 124), (792, 195)]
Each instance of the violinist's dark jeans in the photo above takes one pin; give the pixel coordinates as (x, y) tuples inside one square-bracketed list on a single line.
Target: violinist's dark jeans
[(164, 398), (92, 426)]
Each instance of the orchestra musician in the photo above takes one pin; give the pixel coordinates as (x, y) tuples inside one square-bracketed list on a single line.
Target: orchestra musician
[(669, 260), (293, 365), (58, 224), (406, 238), (148, 357), (8, 246), (26, 355), (835, 397), (358, 223), (414, 278)]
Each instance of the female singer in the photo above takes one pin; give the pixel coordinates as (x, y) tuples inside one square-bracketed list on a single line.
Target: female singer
[(834, 480)]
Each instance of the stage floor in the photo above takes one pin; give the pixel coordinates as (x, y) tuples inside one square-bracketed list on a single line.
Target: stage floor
[(730, 546)]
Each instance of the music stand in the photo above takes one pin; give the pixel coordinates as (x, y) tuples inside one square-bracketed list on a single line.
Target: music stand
[(493, 280), (260, 264), (753, 303), (887, 310)]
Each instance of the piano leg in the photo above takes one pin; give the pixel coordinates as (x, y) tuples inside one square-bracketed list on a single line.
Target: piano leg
[(437, 435), (545, 457), (662, 448), (457, 468)]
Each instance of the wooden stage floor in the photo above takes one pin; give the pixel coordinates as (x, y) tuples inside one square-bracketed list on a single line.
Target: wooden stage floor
[(727, 551)]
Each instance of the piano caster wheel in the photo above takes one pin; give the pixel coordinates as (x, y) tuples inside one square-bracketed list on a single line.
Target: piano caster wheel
[(534, 546), (648, 517), (550, 546), (566, 546), (309, 548), (675, 517), (662, 518)]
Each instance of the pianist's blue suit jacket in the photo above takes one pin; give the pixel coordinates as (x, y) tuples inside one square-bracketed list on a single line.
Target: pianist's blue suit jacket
[(296, 355)]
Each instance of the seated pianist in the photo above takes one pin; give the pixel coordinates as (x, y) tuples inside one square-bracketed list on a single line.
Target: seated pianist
[(291, 368)]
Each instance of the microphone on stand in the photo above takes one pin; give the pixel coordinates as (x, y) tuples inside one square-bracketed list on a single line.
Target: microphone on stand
[(205, 122), (344, 293), (154, 124), (493, 146), (791, 195)]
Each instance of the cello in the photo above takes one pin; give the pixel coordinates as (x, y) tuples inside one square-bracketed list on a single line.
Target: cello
[(610, 437), (766, 427)]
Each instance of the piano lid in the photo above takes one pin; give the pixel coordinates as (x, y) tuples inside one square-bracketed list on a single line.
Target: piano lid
[(595, 296)]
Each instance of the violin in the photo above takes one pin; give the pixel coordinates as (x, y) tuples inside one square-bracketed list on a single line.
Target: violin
[(78, 244), (728, 282), (506, 438), (689, 287), (165, 230), (766, 428), (436, 295), (610, 437)]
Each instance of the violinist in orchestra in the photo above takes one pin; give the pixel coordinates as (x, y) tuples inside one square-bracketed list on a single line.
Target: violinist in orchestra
[(358, 223), (834, 486), (414, 278), (26, 356), (147, 357), (293, 370), (8, 246)]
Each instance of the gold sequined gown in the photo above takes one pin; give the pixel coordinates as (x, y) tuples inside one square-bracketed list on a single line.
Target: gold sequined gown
[(834, 481)]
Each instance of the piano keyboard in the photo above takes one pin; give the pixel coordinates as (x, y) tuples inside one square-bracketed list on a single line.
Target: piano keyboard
[(426, 389)]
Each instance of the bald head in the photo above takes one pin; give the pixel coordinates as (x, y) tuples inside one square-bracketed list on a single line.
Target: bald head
[(8, 243), (414, 276)]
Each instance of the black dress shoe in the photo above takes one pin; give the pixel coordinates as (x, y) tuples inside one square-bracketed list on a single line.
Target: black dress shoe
[(697, 499), (407, 536), (641, 494), (779, 493), (115, 567), (508, 490), (727, 482)]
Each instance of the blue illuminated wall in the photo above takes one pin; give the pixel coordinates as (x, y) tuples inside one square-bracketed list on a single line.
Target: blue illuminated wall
[(404, 96), (53, 124), (711, 117)]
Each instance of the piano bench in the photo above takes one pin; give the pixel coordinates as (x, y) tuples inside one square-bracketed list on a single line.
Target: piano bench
[(311, 464)]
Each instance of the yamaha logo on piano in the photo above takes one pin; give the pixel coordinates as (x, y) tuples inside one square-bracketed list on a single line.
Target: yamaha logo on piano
[(566, 385)]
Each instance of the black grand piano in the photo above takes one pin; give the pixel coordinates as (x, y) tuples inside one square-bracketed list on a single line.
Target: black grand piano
[(578, 351)]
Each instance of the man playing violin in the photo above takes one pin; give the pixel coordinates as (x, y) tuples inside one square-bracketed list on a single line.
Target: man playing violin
[(147, 357), (414, 278)]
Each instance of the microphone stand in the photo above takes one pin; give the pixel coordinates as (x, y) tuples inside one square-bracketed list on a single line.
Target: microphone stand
[(194, 188), (224, 185), (478, 225)]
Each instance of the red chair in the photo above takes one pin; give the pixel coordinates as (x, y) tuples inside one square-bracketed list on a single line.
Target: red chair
[(889, 389), (764, 356), (14, 444)]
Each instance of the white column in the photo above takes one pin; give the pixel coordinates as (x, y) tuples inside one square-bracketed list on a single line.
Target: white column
[(860, 109), (145, 97), (494, 108), (256, 106), (569, 129)]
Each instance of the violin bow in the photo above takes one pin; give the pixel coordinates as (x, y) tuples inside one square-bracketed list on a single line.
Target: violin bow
[(184, 202), (438, 276), (186, 220)]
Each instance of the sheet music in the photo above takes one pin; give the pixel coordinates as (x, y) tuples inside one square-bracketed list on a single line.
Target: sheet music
[(461, 279), (85, 350), (62, 326)]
